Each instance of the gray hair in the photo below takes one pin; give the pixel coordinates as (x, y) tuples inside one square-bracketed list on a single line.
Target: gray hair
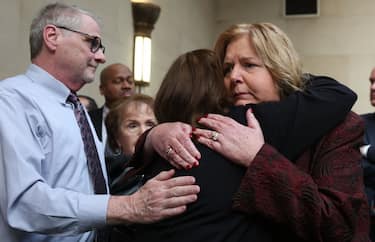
[(59, 14)]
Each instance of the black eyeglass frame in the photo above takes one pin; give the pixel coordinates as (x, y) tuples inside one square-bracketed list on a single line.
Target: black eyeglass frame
[(94, 46)]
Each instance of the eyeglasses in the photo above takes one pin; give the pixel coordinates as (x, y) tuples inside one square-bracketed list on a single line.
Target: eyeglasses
[(95, 41)]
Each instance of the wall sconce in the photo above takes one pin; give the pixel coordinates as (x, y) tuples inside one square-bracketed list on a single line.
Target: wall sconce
[(145, 16)]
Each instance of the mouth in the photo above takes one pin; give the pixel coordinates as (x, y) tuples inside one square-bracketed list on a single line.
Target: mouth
[(93, 66), (244, 97), (241, 94), (126, 93)]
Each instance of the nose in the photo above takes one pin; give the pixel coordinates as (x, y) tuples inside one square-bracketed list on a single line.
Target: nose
[(143, 129), (235, 75), (125, 84), (100, 57)]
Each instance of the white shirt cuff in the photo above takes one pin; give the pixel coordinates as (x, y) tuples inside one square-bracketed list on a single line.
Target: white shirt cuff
[(364, 150)]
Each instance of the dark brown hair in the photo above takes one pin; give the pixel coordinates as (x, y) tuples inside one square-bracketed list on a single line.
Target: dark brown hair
[(193, 86), (116, 116)]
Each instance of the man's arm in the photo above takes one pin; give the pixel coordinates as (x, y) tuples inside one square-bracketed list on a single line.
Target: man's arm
[(27, 197)]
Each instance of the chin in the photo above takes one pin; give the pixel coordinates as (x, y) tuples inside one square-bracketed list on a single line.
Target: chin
[(244, 102), (88, 79)]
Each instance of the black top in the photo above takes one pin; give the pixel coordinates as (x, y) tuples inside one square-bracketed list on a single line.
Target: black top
[(210, 218)]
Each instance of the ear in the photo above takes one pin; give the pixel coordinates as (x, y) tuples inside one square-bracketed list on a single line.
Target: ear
[(101, 89), (50, 37), (118, 144)]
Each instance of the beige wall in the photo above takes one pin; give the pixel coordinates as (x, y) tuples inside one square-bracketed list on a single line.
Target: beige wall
[(182, 25), (338, 43)]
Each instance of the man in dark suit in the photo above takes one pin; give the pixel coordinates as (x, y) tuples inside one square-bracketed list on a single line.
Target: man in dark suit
[(368, 153), (116, 82), (88, 102)]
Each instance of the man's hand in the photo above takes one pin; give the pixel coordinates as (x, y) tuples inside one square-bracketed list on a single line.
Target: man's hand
[(161, 197)]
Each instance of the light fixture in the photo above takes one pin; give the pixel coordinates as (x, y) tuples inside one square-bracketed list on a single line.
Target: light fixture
[(145, 16)]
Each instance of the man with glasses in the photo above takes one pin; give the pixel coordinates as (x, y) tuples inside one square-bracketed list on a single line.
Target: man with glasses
[(53, 183)]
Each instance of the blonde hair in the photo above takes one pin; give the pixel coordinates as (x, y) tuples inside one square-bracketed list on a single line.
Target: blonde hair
[(273, 47)]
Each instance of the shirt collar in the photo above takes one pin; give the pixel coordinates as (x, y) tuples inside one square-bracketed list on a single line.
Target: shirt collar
[(47, 81), (105, 111)]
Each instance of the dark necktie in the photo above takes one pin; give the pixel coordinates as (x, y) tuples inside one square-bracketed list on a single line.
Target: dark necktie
[(93, 161)]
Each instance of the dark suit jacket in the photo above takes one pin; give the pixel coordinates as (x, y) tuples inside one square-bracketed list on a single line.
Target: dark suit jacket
[(369, 163), (319, 197), (96, 116)]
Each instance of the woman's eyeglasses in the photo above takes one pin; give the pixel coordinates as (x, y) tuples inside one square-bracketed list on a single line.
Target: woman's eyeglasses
[(95, 41)]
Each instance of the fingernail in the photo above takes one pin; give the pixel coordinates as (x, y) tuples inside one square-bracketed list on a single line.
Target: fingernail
[(188, 167), (191, 135), (195, 164), (198, 119), (206, 115), (194, 129), (197, 158)]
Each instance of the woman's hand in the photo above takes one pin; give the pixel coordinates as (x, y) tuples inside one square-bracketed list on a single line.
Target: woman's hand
[(172, 141), (233, 140)]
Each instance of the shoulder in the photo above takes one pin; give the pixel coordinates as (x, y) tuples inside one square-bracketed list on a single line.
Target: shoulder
[(17, 90), (353, 123), (96, 112), (368, 116), (350, 130), (14, 84)]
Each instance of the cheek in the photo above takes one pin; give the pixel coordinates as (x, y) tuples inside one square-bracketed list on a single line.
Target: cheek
[(115, 89), (128, 143), (227, 83), (271, 91)]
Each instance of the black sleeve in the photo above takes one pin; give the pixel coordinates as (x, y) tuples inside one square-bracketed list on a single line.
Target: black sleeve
[(298, 121)]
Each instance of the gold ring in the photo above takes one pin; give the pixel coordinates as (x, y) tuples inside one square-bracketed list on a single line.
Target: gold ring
[(214, 135)]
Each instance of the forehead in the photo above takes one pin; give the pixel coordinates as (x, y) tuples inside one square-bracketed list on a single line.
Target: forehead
[(240, 47), (118, 70), (89, 25), (136, 108)]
